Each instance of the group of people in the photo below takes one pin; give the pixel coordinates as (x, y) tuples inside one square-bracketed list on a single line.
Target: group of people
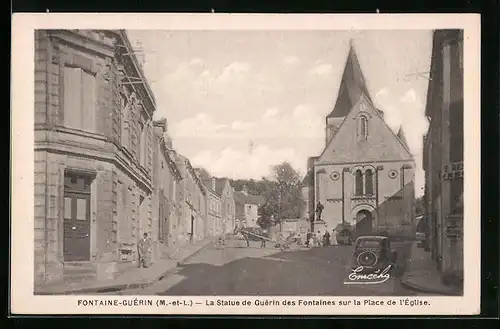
[(318, 240)]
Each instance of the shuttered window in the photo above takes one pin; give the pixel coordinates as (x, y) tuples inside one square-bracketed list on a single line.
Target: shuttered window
[(79, 99)]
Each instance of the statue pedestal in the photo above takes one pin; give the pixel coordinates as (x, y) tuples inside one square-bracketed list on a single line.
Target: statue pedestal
[(320, 226)]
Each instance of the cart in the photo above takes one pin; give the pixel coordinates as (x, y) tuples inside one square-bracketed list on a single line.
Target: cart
[(286, 242), (283, 243)]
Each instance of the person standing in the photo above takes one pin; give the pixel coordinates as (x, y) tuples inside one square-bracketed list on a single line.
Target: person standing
[(327, 238), (334, 238), (308, 238), (144, 251), (263, 240)]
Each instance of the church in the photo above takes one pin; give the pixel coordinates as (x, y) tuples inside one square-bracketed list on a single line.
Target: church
[(365, 174)]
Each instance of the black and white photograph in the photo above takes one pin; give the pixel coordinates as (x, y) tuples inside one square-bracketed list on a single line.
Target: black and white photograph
[(249, 162)]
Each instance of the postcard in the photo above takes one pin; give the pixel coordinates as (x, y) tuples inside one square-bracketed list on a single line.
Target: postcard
[(245, 164)]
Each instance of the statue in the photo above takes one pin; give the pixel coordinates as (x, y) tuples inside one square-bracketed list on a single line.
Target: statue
[(319, 211)]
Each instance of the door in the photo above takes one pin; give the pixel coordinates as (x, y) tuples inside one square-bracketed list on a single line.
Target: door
[(76, 244), (363, 222)]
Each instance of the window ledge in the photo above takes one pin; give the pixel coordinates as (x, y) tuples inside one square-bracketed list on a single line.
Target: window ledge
[(80, 132), (368, 196)]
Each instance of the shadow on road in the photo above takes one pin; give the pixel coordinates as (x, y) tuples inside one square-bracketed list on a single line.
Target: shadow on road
[(309, 272)]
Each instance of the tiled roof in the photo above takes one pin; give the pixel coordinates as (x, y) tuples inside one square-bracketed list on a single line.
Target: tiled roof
[(309, 178), (352, 87), (402, 138)]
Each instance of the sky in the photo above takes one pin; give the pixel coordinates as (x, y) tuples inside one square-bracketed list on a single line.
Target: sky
[(239, 102)]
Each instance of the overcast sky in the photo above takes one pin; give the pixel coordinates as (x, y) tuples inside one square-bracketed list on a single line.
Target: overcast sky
[(238, 102)]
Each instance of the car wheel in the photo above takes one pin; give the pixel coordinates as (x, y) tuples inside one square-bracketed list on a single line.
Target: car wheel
[(367, 258)]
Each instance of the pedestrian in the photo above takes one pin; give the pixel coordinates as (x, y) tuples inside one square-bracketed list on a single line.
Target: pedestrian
[(144, 251), (308, 238), (334, 238), (318, 239), (263, 240), (327, 239)]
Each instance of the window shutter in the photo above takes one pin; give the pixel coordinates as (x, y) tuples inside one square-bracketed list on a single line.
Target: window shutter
[(72, 97), (88, 102)]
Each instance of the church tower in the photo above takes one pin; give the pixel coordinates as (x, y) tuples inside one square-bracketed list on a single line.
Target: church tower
[(364, 177), (352, 88)]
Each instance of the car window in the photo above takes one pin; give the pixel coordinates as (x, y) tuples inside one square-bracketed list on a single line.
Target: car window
[(369, 243)]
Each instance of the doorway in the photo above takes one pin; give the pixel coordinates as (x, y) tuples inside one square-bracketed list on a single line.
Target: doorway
[(364, 222), (76, 212)]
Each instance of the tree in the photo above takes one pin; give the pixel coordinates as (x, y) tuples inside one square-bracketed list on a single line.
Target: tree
[(264, 222), (284, 198)]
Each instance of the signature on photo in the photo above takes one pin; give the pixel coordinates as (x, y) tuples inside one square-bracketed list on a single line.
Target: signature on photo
[(357, 276)]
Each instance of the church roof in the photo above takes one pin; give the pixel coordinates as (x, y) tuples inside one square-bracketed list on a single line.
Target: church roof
[(402, 138), (309, 178), (352, 86)]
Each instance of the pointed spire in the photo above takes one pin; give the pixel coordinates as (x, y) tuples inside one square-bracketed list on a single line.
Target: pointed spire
[(402, 138), (352, 86)]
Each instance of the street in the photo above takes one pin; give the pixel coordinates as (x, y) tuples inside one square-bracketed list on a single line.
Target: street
[(238, 270)]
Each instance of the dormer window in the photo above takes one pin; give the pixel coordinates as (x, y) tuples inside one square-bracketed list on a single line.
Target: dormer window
[(362, 128)]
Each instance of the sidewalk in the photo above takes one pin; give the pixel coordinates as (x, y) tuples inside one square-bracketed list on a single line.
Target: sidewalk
[(130, 279), (422, 275)]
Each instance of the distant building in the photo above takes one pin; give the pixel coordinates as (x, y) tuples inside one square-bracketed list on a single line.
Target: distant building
[(214, 224), (227, 194), (167, 201), (192, 224), (247, 206), (365, 174), (93, 155), (443, 155), (295, 225)]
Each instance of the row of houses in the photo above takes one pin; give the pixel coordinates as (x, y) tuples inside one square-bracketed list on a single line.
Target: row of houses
[(443, 156), (105, 170)]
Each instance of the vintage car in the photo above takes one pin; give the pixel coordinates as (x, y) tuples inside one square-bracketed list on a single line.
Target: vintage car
[(372, 253)]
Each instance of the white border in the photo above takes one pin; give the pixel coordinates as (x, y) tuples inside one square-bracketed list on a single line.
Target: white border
[(23, 25)]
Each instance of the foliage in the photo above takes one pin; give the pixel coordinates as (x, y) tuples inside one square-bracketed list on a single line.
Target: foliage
[(282, 193)]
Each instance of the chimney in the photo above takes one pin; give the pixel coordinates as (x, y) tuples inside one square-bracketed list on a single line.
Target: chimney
[(168, 141), (213, 183), (244, 190)]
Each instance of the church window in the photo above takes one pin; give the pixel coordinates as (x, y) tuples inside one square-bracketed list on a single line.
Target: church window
[(358, 179), (363, 128), (369, 182)]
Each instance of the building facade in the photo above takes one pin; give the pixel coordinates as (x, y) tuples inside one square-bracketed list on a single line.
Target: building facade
[(214, 209), (226, 191), (365, 174), (443, 155), (93, 154), (167, 181), (247, 207), (192, 224)]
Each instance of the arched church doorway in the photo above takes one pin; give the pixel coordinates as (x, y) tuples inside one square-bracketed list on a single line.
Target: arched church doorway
[(364, 222)]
